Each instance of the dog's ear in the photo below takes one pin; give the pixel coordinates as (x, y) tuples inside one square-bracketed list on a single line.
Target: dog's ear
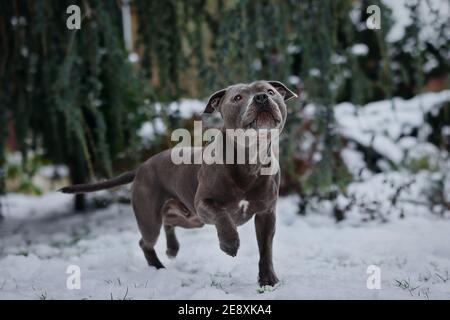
[(214, 101), (283, 90)]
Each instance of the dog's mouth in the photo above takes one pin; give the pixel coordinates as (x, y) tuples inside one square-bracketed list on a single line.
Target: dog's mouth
[(263, 118)]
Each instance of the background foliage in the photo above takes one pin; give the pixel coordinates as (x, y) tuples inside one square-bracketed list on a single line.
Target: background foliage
[(75, 97)]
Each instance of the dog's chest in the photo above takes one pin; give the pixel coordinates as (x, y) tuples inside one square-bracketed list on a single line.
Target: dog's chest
[(242, 211), (259, 199), (245, 208)]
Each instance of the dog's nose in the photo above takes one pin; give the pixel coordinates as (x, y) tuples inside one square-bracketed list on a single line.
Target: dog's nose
[(260, 98)]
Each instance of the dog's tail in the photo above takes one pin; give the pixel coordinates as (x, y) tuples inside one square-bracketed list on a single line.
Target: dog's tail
[(124, 178)]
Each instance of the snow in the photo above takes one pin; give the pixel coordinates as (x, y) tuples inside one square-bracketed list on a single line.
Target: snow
[(354, 161), (315, 258), (50, 171), (432, 13), (294, 80), (186, 108), (381, 124), (314, 72), (149, 130), (133, 57), (360, 49)]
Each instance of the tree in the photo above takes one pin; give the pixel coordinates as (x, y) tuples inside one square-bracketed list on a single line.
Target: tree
[(70, 93)]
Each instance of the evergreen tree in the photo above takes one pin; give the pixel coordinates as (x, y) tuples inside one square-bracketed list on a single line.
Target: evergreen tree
[(71, 93)]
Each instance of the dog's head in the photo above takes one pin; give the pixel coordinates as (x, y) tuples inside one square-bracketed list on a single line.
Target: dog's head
[(257, 105)]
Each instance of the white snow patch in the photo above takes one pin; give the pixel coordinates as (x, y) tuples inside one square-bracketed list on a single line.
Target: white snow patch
[(50, 171), (149, 130), (133, 57), (360, 49), (380, 124), (355, 163), (432, 13), (188, 107)]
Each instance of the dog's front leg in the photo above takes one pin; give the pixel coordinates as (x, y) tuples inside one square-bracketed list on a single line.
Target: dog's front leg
[(228, 235), (210, 212), (265, 230)]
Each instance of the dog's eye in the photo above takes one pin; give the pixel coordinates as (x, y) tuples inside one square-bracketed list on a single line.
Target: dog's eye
[(271, 92), (237, 98)]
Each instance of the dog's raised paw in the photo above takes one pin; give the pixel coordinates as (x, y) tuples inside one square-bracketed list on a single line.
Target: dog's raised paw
[(230, 248), (172, 252)]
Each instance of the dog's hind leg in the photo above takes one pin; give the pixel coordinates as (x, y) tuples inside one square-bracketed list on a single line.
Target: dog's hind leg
[(172, 242), (147, 201), (174, 214), (150, 255)]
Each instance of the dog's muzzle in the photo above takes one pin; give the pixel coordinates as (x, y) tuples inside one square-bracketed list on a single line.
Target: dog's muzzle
[(263, 113)]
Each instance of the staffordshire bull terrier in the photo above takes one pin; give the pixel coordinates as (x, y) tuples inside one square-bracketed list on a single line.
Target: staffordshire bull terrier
[(225, 195)]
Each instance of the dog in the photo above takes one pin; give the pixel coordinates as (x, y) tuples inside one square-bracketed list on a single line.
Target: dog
[(225, 195)]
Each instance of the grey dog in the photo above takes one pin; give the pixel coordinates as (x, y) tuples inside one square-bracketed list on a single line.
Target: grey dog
[(225, 195)]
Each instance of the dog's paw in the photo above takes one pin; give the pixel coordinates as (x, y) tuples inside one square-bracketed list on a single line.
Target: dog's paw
[(230, 247), (172, 247), (172, 252), (268, 279)]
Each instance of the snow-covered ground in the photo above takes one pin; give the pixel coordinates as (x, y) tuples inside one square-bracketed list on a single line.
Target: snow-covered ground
[(315, 257)]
